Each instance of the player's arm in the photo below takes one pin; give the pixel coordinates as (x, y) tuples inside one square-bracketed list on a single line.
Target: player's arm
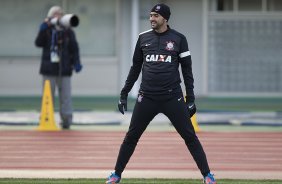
[(134, 70), (186, 67), (132, 76)]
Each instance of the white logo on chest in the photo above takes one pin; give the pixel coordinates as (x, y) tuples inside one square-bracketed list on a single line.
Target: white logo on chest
[(158, 58)]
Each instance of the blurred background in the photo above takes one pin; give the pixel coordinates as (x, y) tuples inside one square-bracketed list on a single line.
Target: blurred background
[(235, 47)]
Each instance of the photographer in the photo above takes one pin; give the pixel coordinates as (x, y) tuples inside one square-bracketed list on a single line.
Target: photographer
[(60, 55)]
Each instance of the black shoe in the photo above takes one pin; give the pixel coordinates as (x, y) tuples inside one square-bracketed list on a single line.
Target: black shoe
[(65, 126)]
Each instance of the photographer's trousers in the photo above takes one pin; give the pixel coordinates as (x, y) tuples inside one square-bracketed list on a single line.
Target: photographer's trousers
[(174, 107), (64, 90)]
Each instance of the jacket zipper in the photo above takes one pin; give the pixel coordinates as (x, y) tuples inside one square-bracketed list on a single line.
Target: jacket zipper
[(159, 42)]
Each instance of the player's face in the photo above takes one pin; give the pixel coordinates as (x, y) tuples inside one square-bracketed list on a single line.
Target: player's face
[(157, 21)]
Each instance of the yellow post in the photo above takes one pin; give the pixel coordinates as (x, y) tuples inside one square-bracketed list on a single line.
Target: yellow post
[(47, 119), (194, 123)]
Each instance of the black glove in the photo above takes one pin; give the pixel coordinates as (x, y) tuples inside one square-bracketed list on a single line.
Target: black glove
[(191, 105), (192, 108), (122, 104)]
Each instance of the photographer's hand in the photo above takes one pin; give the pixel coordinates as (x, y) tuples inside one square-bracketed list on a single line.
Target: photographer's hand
[(77, 67), (44, 25)]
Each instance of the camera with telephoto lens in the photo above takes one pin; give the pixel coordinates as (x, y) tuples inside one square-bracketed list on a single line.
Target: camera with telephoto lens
[(68, 20)]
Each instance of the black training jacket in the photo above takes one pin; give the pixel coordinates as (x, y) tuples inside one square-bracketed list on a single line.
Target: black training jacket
[(159, 56), (70, 54)]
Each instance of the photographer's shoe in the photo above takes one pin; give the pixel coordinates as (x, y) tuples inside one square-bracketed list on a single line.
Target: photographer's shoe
[(65, 126)]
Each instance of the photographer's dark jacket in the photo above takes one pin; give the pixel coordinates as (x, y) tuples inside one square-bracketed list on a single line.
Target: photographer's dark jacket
[(159, 56), (70, 52)]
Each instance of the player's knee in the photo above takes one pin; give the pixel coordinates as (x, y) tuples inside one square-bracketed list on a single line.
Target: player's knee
[(192, 140), (130, 139)]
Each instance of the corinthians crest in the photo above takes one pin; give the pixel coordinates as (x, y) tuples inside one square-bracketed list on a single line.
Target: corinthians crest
[(169, 45)]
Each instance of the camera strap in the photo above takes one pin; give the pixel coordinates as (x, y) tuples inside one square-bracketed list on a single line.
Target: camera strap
[(54, 40), (54, 54)]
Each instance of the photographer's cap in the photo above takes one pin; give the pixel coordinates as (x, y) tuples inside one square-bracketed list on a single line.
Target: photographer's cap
[(162, 9)]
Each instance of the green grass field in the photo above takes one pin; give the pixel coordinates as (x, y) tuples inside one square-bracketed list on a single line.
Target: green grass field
[(133, 181)]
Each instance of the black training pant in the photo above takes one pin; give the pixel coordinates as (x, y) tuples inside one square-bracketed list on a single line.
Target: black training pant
[(174, 107)]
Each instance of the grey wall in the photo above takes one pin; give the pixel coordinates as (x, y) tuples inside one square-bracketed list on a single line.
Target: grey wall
[(106, 41), (103, 73)]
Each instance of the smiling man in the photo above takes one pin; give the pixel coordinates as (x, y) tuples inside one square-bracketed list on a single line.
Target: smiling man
[(158, 53)]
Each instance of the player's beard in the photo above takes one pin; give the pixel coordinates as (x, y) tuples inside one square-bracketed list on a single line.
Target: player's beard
[(156, 25)]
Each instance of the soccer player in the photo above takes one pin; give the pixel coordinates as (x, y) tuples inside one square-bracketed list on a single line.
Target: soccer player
[(158, 53)]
